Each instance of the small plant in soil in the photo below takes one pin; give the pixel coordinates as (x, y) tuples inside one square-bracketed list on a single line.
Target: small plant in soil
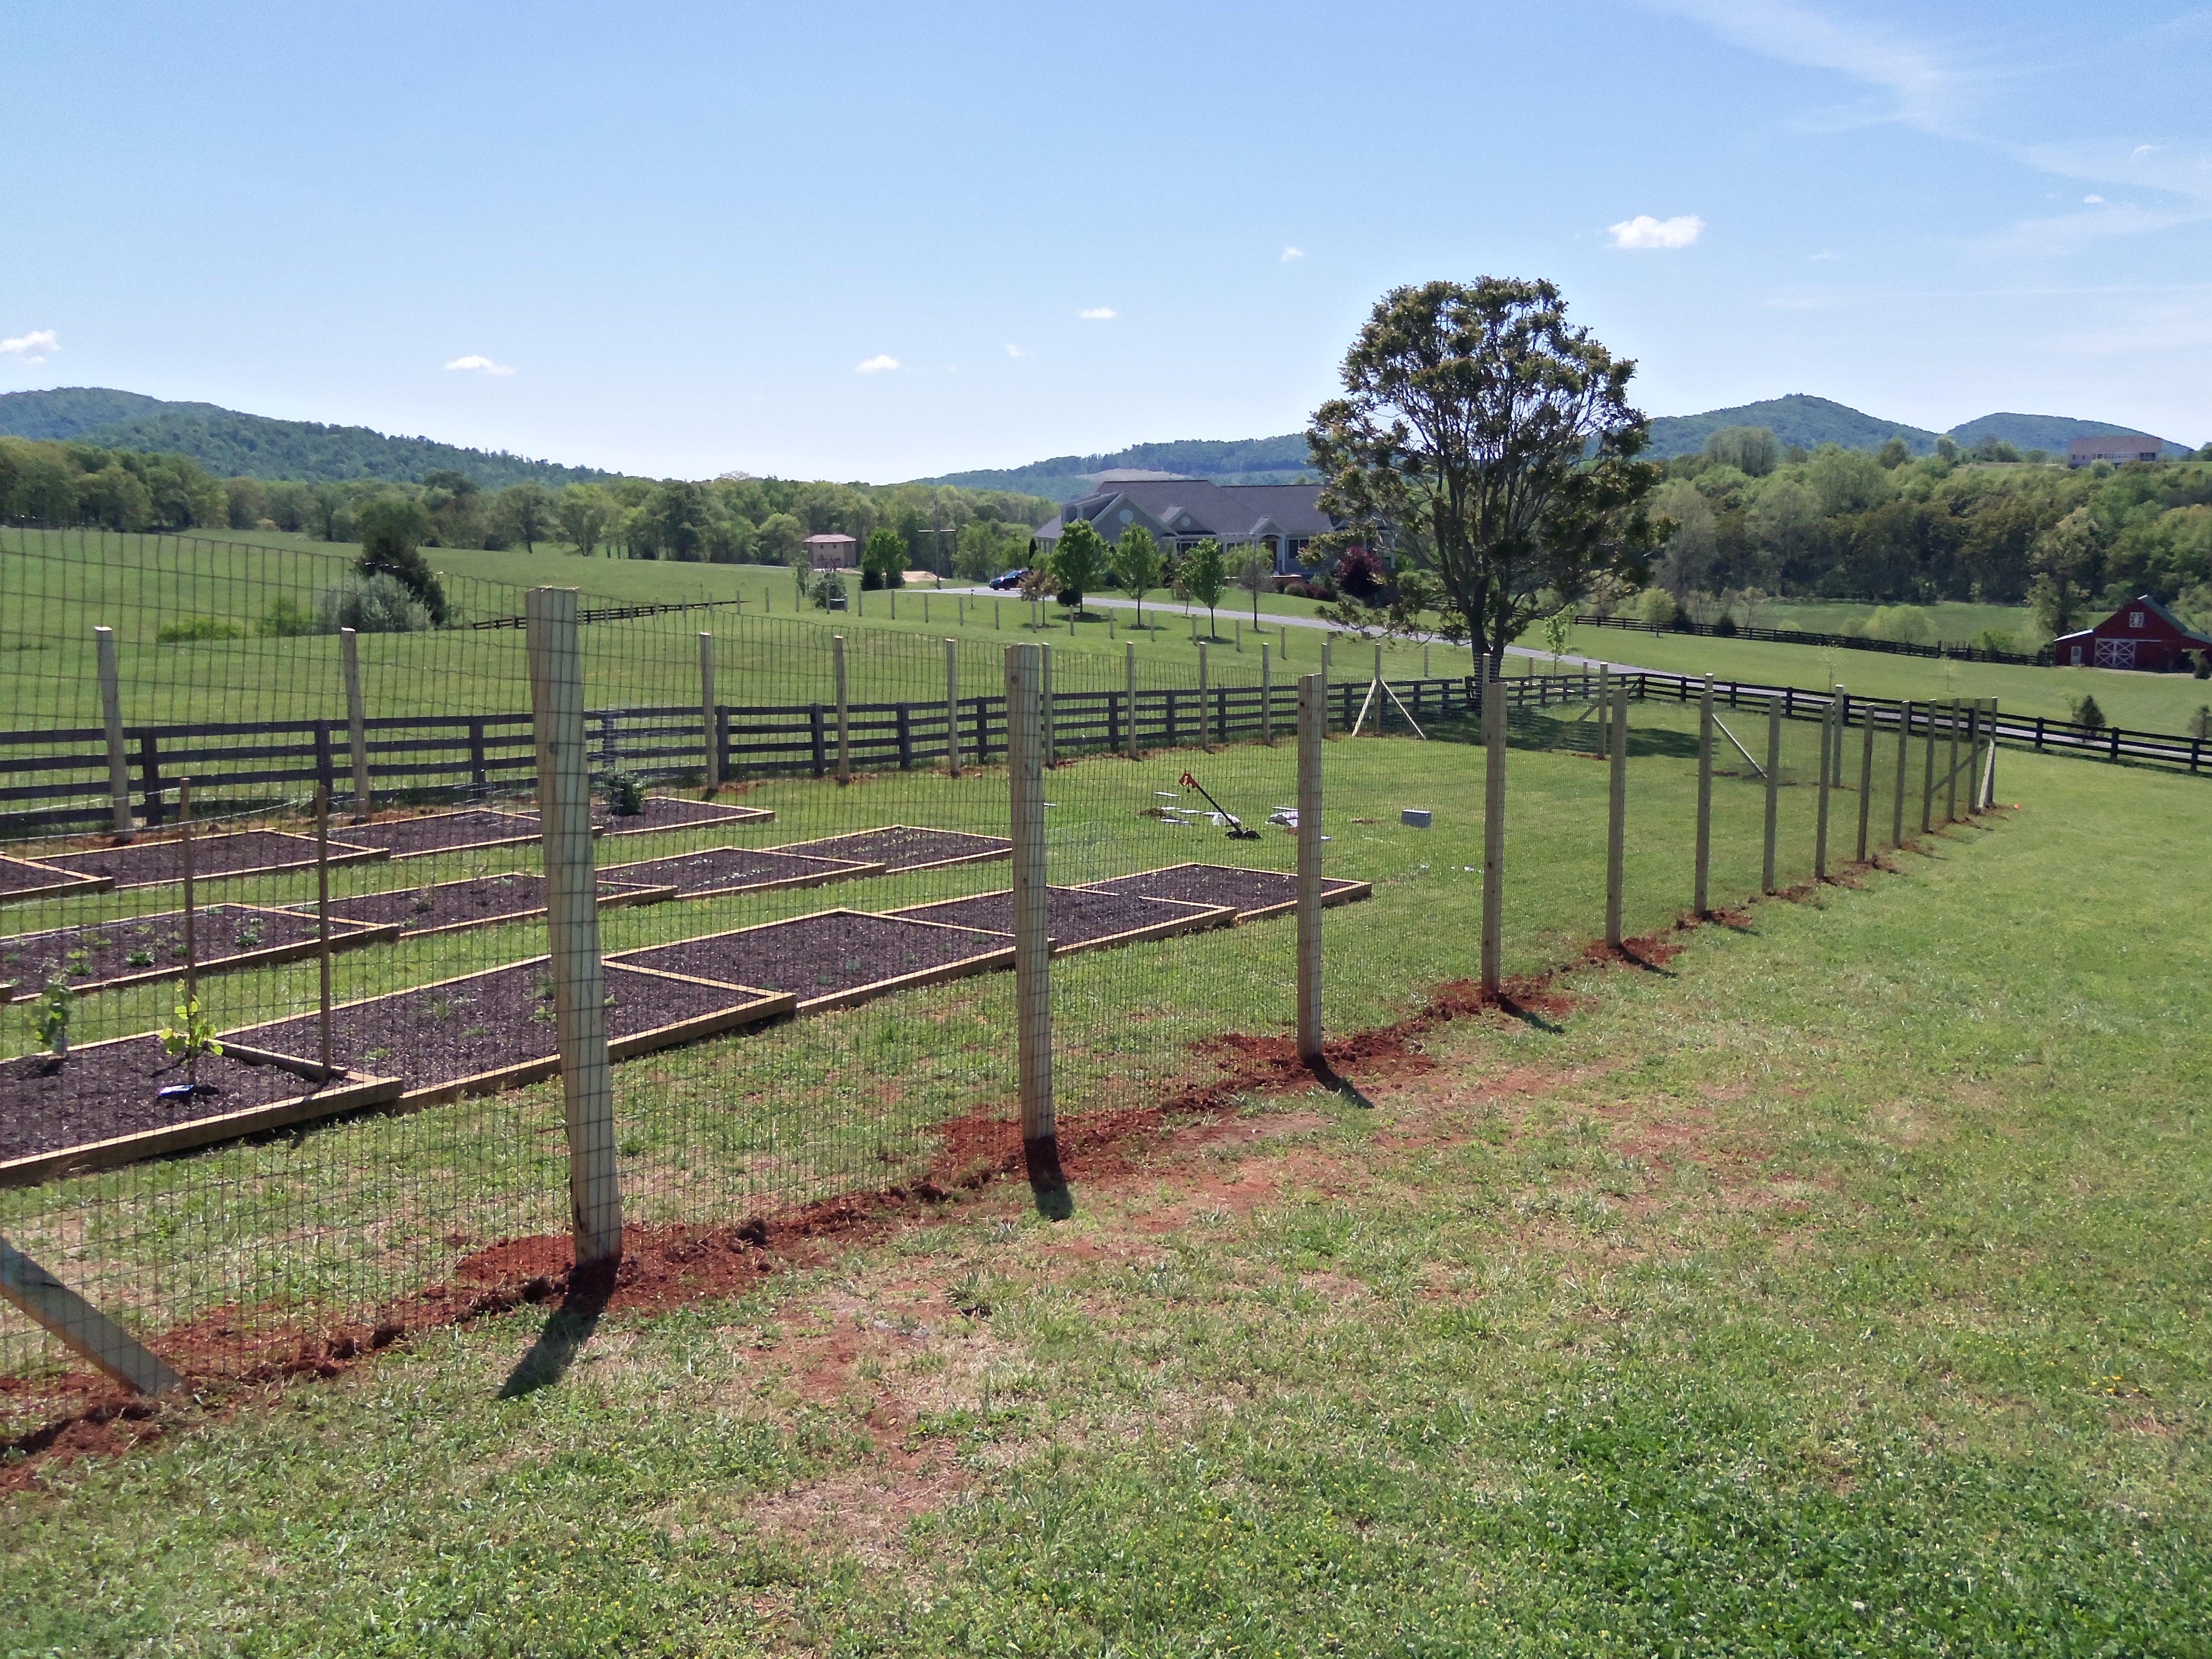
[(440, 1007), (625, 794), (139, 958), (374, 1054), (50, 1018), (249, 933), (425, 901), (80, 964), (191, 1038)]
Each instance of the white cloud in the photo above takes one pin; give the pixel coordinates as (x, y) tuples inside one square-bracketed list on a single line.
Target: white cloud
[(476, 364), (1823, 254), (877, 364), (1922, 88), (1013, 350), (1645, 231), (1293, 253), (31, 348), (1097, 314), (2093, 201)]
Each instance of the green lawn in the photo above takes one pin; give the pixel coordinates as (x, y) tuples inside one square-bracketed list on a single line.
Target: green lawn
[(1957, 621), (1839, 1289)]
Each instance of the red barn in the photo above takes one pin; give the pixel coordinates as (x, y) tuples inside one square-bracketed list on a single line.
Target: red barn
[(2141, 633)]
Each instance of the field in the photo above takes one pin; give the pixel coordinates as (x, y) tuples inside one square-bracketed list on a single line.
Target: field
[(1836, 1286)]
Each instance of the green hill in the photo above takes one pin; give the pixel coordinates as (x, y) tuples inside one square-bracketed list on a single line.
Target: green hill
[(1244, 460), (2050, 432), (233, 445), (1806, 421)]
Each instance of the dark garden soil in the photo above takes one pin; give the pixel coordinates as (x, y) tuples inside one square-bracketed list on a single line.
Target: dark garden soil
[(477, 901), (154, 947), (152, 863), (108, 1089), (730, 869), (899, 847), (22, 876), (819, 955), (1248, 892), (484, 1023), (1073, 915), (674, 813), (438, 832)]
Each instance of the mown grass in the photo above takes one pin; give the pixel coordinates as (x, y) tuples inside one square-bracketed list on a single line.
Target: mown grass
[(1839, 1290)]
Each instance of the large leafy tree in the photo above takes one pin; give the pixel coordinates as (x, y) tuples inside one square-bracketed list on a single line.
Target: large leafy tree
[(392, 529), (525, 513), (883, 560), (1078, 563), (1204, 575), (1137, 565), (1489, 442)]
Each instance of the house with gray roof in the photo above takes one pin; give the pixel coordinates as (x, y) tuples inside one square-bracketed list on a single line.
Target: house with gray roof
[(1181, 512)]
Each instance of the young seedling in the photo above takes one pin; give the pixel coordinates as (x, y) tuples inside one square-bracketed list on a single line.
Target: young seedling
[(192, 1036), (625, 794), (50, 1018)]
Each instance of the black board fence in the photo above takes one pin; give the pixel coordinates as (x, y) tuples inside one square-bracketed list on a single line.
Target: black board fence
[(1951, 652), (56, 780)]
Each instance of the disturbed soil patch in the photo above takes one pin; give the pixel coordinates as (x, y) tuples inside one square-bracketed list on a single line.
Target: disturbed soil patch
[(155, 863), (1250, 893), (736, 870), (92, 954), (1075, 915), (900, 847), (109, 1089), (820, 955)]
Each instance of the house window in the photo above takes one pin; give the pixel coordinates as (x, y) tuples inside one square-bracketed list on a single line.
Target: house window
[(2134, 619)]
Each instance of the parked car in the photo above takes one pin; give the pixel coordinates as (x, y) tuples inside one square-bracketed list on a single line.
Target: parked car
[(1008, 581)]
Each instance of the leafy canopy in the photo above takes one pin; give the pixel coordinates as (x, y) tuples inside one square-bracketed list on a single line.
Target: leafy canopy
[(1079, 563)]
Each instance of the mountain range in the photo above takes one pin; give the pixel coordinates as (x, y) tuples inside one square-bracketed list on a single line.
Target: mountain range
[(1806, 421)]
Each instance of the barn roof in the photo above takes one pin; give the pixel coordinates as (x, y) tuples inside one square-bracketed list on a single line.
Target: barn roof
[(2144, 602)]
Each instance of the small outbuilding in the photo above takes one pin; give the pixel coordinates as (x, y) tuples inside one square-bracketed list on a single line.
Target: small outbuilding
[(2141, 633), (832, 552)]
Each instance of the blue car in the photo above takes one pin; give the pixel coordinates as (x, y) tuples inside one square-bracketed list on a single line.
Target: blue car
[(1009, 580)]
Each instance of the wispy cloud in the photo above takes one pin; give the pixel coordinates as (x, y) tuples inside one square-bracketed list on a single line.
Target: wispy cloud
[(877, 364), (1645, 231), (31, 348), (1013, 350), (1825, 253), (1098, 314), (1915, 83), (1293, 254), (476, 364)]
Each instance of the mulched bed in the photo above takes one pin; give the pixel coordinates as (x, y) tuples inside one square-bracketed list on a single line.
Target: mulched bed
[(735, 869), (19, 877), (483, 1023), (1073, 915), (440, 832), (152, 947), (821, 955), (1250, 893), (478, 901), (899, 847), (154, 863), (108, 1089), (674, 813)]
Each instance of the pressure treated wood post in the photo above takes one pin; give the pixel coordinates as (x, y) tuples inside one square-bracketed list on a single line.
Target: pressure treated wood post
[(572, 923), (191, 904), (1129, 681), (1866, 780), (356, 722), (1904, 762), (1047, 713), (1604, 709), (1328, 645), (80, 1327), (952, 706), (1204, 719), (1494, 835), (1267, 695), (707, 722), (1701, 902), (1927, 771), (1616, 819), (111, 713), (1974, 757), (1313, 715), (1989, 775), (844, 708), (1773, 792), (1025, 763), (1828, 781), (323, 927), (1951, 778)]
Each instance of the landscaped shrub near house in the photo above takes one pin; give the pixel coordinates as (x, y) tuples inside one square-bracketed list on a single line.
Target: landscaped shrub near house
[(1359, 573)]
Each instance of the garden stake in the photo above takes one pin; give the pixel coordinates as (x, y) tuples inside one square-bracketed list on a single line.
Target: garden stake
[(1773, 791), (323, 918), (1701, 891)]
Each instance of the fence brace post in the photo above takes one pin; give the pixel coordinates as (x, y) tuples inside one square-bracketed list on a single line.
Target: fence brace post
[(1493, 833), (81, 1327), (111, 712), (572, 922), (1312, 715), (1951, 778), (1904, 761), (1773, 792), (1616, 819), (1700, 903), (1827, 785), (1032, 946), (708, 722), (356, 722), (1866, 779)]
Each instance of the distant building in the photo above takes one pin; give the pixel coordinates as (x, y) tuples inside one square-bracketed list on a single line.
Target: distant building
[(832, 552), (2141, 633), (1181, 512), (2117, 448)]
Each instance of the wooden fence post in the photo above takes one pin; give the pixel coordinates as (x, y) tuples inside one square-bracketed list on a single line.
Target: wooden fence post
[(111, 713), (952, 706), (709, 724), (1204, 742), (1866, 779), (1313, 715), (1129, 678), (1701, 904), (81, 1327), (1616, 819), (1773, 792), (1828, 781), (572, 923), (1904, 760), (1493, 834), (1974, 756), (356, 722), (1025, 763), (1604, 709), (1989, 776), (1951, 778), (1267, 694), (1327, 644), (844, 708), (323, 927), (1927, 771)]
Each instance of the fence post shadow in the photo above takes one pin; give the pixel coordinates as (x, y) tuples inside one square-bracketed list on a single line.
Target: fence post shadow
[(1055, 1199), (565, 1331)]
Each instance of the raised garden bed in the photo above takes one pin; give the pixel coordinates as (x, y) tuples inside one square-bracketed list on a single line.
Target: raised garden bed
[(1078, 918), (104, 955), (737, 870), (674, 813), (900, 847), (1251, 893), (23, 880), (494, 1029), (99, 1107), (215, 858), (418, 835), (474, 902), (833, 958)]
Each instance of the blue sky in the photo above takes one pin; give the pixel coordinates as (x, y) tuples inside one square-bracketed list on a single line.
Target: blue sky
[(884, 242)]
